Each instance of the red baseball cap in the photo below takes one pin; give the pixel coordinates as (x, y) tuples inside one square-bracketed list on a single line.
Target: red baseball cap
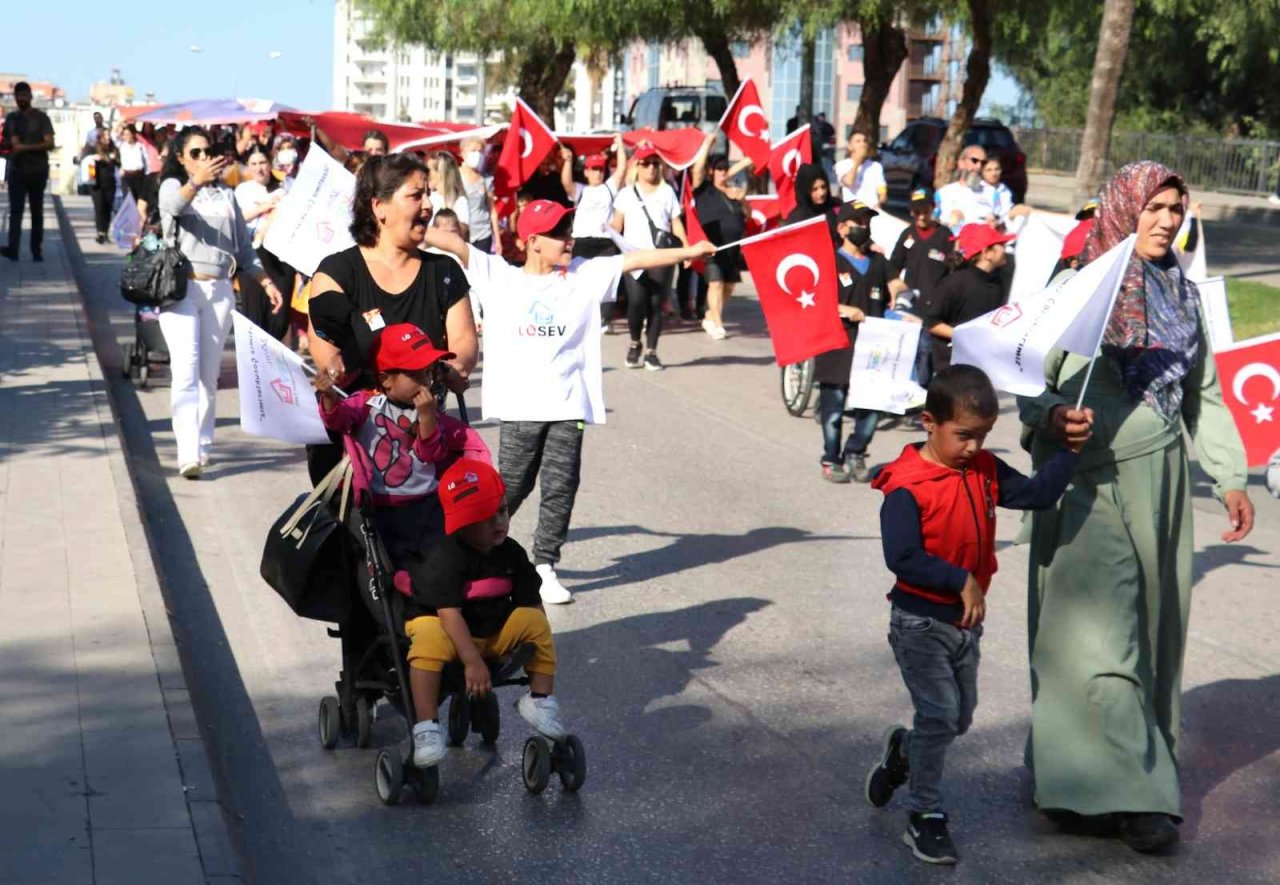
[(406, 347), (973, 238), (645, 151), (596, 161), (540, 217), (470, 491), (1073, 243)]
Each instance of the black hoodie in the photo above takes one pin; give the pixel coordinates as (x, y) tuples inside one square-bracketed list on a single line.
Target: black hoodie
[(805, 208)]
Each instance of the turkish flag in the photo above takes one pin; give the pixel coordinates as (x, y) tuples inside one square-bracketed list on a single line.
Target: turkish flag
[(1250, 375), (746, 125), (678, 148), (785, 160), (692, 226), (763, 213), (794, 271), (527, 143)]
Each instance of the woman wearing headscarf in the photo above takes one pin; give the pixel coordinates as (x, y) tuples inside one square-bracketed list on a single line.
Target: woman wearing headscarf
[(813, 198), (1110, 572)]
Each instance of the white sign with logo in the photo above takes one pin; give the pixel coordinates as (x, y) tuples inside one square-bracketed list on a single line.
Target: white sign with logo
[(883, 356), (312, 220), (276, 398), (1217, 317)]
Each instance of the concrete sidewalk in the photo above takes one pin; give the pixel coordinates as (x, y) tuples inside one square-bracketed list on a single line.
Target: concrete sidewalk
[(104, 774)]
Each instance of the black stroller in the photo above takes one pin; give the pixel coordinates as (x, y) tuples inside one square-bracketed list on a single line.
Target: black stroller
[(148, 348)]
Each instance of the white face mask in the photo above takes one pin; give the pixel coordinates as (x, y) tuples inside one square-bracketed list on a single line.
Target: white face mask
[(473, 159), (286, 158)]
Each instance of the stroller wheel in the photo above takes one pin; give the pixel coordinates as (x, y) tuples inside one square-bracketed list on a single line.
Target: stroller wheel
[(487, 718), (388, 775), (144, 375), (364, 722), (425, 782), (459, 720), (536, 766), (570, 761), (330, 722), (126, 363)]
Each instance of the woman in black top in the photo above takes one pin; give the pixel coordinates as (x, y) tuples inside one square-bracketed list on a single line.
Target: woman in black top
[(106, 160), (813, 197), (386, 279), (970, 291), (722, 213)]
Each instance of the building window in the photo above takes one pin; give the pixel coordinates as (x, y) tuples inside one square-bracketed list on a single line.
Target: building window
[(855, 52), (853, 92)]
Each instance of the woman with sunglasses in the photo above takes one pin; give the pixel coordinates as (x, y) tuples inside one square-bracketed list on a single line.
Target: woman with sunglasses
[(201, 213)]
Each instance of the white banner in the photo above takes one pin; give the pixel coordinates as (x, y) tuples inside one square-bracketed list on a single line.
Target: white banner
[(312, 220), (1217, 317), (883, 356), (1037, 250), (1010, 343), (276, 398), (127, 223), (885, 230)]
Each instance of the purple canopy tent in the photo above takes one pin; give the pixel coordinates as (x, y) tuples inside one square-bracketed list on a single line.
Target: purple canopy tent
[(212, 111)]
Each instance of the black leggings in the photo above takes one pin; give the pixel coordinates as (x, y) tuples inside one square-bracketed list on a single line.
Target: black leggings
[(103, 198), (644, 305)]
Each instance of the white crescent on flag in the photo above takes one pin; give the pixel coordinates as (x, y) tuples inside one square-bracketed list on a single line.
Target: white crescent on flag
[(526, 143), (806, 299), (749, 111), (1257, 370), (791, 162)]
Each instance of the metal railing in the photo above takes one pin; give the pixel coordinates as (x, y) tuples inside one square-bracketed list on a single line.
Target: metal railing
[(1232, 165)]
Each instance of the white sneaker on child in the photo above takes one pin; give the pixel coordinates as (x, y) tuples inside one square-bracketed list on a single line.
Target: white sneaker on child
[(428, 744), (552, 592), (543, 714)]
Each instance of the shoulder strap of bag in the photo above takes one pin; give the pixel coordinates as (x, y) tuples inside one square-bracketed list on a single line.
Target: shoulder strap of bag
[(653, 228), (323, 491)]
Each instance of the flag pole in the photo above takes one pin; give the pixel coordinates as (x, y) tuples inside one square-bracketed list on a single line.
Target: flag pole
[(1111, 305), (729, 107), (314, 373), (770, 233)]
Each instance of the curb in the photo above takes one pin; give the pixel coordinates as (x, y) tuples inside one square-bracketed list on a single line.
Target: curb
[(218, 856)]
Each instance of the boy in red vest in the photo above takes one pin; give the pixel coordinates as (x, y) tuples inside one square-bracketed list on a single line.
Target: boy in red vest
[(938, 525)]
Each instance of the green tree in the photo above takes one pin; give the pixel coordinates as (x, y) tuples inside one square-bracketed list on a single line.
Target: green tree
[(1108, 67), (981, 16)]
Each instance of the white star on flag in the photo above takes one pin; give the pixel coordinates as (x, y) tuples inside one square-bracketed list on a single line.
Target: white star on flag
[(806, 299), (1262, 413)]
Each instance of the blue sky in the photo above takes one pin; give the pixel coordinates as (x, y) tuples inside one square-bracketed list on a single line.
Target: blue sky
[(81, 42)]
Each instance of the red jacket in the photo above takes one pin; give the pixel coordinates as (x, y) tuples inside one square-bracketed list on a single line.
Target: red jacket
[(957, 513)]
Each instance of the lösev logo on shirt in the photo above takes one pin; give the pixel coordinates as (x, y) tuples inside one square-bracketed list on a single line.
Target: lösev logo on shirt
[(541, 323)]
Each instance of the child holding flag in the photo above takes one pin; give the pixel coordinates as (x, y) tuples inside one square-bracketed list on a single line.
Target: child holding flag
[(938, 525), (542, 360)]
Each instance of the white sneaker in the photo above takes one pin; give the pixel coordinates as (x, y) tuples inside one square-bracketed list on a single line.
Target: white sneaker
[(428, 744), (189, 471), (552, 592), (543, 714), (719, 334), (709, 326)]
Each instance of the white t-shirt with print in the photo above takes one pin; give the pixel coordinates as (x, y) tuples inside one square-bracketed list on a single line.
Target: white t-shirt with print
[(868, 182), (542, 338), (460, 207), (594, 208), (959, 197), (663, 206)]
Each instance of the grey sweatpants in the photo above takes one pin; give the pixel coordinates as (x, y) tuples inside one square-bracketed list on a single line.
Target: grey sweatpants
[(550, 452)]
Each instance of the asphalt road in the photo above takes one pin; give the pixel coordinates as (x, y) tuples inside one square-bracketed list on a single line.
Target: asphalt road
[(725, 662)]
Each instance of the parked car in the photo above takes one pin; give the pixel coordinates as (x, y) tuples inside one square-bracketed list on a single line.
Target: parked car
[(677, 107), (910, 157)]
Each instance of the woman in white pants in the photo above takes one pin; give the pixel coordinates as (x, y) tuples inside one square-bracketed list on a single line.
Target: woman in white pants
[(212, 234)]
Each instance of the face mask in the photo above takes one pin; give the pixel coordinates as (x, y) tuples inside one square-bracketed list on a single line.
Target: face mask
[(473, 159), (859, 236), (286, 158)]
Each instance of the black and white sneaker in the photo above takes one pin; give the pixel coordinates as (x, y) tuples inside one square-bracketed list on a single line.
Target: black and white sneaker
[(633, 360), (652, 363), (856, 464), (891, 771), (928, 839)]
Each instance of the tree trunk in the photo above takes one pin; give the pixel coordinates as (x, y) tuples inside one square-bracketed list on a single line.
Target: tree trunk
[(977, 73), (543, 70), (1108, 68), (884, 49), (716, 43), (808, 59)]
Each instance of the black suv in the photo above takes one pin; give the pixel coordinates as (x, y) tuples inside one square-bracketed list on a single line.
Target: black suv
[(909, 158)]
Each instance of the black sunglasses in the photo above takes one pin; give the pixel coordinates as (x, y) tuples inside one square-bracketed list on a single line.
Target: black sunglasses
[(200, 153)]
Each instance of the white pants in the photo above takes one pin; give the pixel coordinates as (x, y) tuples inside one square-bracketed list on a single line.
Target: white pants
[(195, 330)]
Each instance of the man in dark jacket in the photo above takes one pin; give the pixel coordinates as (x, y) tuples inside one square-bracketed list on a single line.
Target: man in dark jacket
[(28, 138)]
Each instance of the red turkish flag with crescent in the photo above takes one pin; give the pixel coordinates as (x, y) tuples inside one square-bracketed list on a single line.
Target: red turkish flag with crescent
[(692, 226), (785, 161), (527, 142), (746, 125), (763, 213), (794, 271), (1250, 375)]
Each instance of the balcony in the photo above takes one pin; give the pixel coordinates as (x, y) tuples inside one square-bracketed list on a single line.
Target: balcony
[(924, 71)]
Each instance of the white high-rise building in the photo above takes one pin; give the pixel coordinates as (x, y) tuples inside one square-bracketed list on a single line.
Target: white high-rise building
[(404, 83)]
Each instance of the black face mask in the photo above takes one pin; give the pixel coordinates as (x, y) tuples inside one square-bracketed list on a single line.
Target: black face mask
[(859, 236)]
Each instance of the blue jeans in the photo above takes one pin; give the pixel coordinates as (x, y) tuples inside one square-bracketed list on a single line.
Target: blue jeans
[(831, 399), (923, 370), (939, 664)]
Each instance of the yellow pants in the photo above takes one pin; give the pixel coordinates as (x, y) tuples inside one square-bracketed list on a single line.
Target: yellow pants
[(432, 648)]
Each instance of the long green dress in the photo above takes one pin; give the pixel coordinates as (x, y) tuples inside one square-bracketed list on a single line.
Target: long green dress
[(1110, 588)]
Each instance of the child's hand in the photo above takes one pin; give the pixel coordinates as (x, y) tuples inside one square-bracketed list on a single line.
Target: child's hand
[(975, 604), (851, 313), (478, 679), (428, 416)]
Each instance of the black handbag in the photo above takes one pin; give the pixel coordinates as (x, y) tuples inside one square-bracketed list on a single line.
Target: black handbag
[(305, 556), (662, 239), (155, 276)]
